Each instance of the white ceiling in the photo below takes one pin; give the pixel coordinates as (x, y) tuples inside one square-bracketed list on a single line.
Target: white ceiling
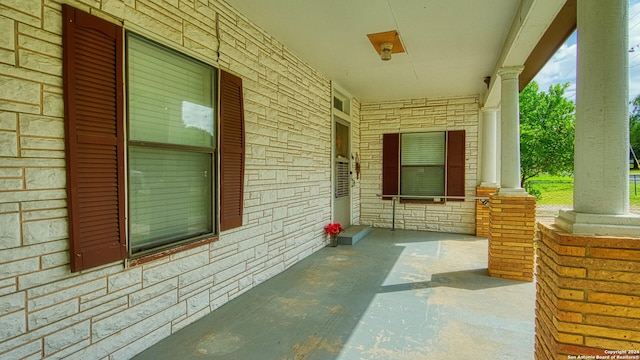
[(451, 45)]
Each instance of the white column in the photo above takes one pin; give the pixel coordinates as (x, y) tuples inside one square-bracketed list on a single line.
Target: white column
[(489, 146), (510, 132), (601, 166)]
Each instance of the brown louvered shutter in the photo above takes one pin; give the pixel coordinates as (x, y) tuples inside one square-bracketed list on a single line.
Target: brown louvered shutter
[(390, 161), (231, 151), (93, 88), (455, 163)]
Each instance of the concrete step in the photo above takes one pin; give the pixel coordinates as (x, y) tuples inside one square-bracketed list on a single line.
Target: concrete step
[(353, 234)]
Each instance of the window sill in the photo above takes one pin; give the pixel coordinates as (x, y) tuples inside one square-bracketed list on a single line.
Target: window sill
[(408, 201), (168, 252)]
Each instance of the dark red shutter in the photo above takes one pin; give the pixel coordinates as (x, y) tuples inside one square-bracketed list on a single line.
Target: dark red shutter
[(390, 161), (455, 164), (93, 89), (231, 151)]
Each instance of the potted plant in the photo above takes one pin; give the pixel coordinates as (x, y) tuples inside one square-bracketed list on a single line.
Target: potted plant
[(333, 229)]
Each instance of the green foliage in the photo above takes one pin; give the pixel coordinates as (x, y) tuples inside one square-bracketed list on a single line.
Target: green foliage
[(634, 126), (528, 186), (547, 131)]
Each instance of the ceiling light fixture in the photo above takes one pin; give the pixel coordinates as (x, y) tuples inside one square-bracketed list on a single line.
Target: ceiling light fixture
[(385, 51), (386, 43)]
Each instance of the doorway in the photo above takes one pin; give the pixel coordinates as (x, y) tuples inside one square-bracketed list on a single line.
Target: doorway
[(342, 173)]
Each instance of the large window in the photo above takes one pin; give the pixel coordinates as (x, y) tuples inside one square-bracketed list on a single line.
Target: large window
[(161, 181), (171, 146), (424, 166)]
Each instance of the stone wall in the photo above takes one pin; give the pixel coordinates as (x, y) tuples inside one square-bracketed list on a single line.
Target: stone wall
[(45, 310), (588, 295), (423, 115)]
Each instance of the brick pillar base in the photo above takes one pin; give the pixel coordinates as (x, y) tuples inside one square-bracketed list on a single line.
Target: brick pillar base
[(588, 295), (511, 232), (482, 210)]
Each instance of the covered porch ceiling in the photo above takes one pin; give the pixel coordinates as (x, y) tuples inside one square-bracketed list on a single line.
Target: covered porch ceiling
[(451, 46)]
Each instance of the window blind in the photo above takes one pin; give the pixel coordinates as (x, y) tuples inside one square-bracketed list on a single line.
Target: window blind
[(423, 148), (170, 196), (422, 160), (171, 146), (170, 96)]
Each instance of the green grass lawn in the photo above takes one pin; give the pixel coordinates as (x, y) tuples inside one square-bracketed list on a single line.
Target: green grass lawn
[(559, 189)]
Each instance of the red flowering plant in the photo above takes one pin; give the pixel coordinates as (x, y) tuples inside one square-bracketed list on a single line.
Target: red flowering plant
[(333, 230)]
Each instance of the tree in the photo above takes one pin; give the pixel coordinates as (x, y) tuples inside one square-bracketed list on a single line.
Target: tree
[(634, 127), (547, 131)]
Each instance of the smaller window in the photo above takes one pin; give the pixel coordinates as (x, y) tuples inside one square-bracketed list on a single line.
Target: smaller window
[(422, 164)]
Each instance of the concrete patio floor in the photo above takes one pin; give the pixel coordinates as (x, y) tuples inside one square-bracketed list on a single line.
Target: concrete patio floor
[(393, 295)]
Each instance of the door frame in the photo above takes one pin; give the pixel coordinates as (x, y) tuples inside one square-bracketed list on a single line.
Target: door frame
[(343, 117)]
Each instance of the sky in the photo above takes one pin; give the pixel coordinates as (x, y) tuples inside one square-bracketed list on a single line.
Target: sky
[(562, 66)]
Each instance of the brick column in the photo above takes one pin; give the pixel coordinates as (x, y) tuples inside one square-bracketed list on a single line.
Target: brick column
[(511, 236), (588, 294), (482, 210)]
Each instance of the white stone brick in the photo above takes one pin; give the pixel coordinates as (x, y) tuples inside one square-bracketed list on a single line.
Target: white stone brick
[(141, 344), (125, 279), (174, 268), (45, 178), (7, 57), (127, 335), (12, 303), (115, 8), (42, 277), (65, 294), (41, 143), (7, 27), (19, 90), (182, 322), (58, 154), (9, 230), (196, 276), (8, 120), (52, 20), (151, 292), (52, 104), (19, 267), (52, 314), (134, 314), (197, 302), (43, 214), (41, 126), (9, 141), (43, 204), (35, 232), (66, 337), (24, 350)]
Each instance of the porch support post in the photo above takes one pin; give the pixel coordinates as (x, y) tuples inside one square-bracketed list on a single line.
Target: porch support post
[(601, 169), (489, 147), (489, 184), (587, 275), (510, 132)]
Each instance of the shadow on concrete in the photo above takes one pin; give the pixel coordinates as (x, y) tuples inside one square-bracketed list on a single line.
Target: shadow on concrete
[(333, 305), (475, 279)]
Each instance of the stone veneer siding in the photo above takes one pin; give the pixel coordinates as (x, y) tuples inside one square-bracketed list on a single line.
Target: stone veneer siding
[(588, 294), (118, 311), (482, 210), (417, 115), (511, 236)]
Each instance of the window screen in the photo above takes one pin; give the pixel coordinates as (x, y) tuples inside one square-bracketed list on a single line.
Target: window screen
[(171, 146), (422, 164)]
